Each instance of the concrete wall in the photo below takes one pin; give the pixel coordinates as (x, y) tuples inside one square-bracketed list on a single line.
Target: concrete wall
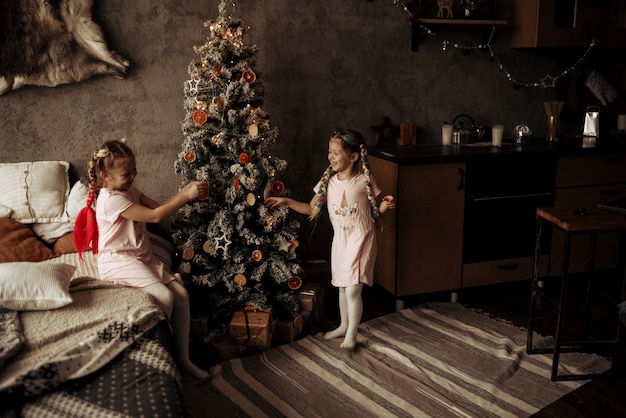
[(323, 64)]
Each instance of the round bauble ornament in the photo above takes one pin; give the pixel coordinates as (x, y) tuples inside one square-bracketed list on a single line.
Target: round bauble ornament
[(244, 158)]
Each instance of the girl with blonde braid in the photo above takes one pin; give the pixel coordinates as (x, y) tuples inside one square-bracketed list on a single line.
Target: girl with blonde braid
[(121, 240), (351, 194)]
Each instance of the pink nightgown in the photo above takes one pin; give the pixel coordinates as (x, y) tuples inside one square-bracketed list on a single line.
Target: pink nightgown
[(353, 251), (124, 249)]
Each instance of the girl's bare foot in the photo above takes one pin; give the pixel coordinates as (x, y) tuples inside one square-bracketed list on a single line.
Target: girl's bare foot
[(349, 343), (336, 333), (188, 368)]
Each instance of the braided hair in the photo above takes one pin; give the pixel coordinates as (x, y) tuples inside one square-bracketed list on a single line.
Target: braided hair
[(104, 159), (86, 228), (351, 141)]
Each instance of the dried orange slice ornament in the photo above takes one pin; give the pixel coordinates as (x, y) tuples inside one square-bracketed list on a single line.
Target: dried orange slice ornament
[(257, 256), (190, 156), (278, 187), (200, 117), (294, 283), (207, 247), (240, 279), (188, 254), (297, 321), (249, 76), (236, 183), (244, 158)]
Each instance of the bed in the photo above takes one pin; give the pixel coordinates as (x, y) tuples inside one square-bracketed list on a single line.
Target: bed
[(71, 344)]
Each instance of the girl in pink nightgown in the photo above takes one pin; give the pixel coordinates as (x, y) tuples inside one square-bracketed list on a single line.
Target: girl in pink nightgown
[(351, 194), (124, 251)]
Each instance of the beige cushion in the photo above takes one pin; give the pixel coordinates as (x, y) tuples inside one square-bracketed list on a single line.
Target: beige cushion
[(35, 191), (28, 286)]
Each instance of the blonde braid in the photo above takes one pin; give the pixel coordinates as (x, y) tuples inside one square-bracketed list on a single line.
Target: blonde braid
[(321, 192), (368, 184)]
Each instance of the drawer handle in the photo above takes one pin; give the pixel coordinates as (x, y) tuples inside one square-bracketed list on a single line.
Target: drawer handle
[(508, 266)]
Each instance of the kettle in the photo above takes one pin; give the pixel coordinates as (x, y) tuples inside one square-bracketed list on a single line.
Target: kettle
[(463, 131)]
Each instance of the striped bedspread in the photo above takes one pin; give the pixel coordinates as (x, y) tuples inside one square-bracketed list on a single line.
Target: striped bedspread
[(437, 359)]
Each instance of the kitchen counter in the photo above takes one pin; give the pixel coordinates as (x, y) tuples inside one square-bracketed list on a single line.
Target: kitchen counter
[(430, 153), (466, 214)]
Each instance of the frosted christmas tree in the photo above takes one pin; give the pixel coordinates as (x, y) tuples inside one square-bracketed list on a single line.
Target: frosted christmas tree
[(235, 251)]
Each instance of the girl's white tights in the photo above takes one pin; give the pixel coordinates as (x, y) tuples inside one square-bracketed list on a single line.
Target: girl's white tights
[(350, 311)]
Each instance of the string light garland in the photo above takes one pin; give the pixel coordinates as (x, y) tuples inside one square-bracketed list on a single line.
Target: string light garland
[(547, 81)]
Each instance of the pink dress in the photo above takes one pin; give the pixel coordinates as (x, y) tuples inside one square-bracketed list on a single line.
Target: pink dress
[(124, 249), (353, 251)]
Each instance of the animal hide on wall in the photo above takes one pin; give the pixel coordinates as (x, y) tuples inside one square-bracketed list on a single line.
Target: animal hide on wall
[(52, 42)]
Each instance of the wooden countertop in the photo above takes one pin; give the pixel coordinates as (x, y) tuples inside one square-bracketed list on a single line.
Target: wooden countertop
[(428, 153), (593, 219)]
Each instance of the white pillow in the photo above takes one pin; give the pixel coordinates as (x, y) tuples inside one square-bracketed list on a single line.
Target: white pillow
[(77, 200), (30, 286), (51, 231), (35, 191), (5, 212)]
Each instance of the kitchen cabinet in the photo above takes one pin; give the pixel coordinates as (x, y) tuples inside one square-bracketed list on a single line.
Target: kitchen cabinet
[(466, 216), (584, 182), (420, 247), (567, 23)]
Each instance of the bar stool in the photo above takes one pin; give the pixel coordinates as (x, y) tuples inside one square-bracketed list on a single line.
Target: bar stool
[(591, 222)]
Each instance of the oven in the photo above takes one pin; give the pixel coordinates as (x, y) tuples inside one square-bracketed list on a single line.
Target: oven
[(502, 195)]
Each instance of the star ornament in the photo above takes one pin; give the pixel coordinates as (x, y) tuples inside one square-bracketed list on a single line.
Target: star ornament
[(548, 81), (222, 243), (193, 86)]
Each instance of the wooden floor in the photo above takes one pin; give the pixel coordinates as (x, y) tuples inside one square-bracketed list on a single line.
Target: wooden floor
[(601, 397)]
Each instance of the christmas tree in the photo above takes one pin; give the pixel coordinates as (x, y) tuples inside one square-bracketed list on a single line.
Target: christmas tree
[(235, 251)]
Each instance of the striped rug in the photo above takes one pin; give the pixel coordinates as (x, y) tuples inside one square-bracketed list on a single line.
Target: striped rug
[(436, 359)]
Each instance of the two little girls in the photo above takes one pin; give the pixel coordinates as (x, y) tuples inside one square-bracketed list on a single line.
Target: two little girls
[(125, 255)]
